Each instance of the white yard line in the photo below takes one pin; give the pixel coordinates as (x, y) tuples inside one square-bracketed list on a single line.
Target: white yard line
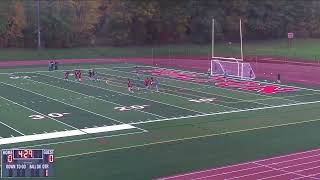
[(130, 95), (37, 112), (283, 85), (310, 89), (91, 96), (192, 89), (67, 104), (226, 112), (11, 127), (181, 96), (235, 89), (240, 100)]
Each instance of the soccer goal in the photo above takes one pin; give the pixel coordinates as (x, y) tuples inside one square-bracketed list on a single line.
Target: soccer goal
[(231, 68)]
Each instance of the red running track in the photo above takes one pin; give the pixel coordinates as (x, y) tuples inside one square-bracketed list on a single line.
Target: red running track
[(301, 166)]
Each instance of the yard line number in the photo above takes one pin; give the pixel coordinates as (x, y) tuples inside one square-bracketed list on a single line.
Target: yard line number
[(53, 115), (129, 108), (20, 77), (202, 100)]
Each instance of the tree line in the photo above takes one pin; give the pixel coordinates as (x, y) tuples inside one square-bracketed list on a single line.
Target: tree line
[(76, 23)]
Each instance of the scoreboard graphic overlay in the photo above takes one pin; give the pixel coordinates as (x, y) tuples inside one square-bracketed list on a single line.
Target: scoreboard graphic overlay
[(24, 163)]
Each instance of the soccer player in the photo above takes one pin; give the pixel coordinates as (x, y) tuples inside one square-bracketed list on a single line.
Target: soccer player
[(209, 72), (50, 66), (93, 74), (147, 84), (55, 64), (225, 76), (279, 78), (79, 75), (66, 76), (90, 74), (75, 74), (156, 83), (130, 86)]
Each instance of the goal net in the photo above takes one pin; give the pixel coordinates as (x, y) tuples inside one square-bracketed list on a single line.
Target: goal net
[(232, 68)]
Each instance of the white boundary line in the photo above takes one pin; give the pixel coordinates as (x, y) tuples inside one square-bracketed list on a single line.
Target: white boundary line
[(61, 134), (127, 94), (188, 138), (90, 96), (228, 112)]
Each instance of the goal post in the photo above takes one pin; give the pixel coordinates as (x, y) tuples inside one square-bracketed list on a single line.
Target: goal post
[(213, 39), (232, 68), (229, 66)]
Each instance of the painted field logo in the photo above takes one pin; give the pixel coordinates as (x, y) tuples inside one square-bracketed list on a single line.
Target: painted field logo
[(221, 81), (269, 89)]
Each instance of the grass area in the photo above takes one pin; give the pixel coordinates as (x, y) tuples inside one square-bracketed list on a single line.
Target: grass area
[(170, 135), (307, 49)]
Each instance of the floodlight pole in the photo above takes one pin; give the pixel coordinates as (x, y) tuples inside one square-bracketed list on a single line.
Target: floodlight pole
[(241, 47), (212, 39), (38, 24)]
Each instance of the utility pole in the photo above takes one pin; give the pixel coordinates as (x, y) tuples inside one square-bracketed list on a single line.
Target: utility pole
[(241, 45), (38, 24), (212, 39)]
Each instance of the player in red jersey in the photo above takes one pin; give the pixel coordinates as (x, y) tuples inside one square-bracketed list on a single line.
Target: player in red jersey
[(79, 75), (130, 86), (146, 83), (75, 74), (66, 75)]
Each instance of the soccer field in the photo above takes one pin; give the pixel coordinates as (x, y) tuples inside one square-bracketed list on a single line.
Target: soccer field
[(101, 131)]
